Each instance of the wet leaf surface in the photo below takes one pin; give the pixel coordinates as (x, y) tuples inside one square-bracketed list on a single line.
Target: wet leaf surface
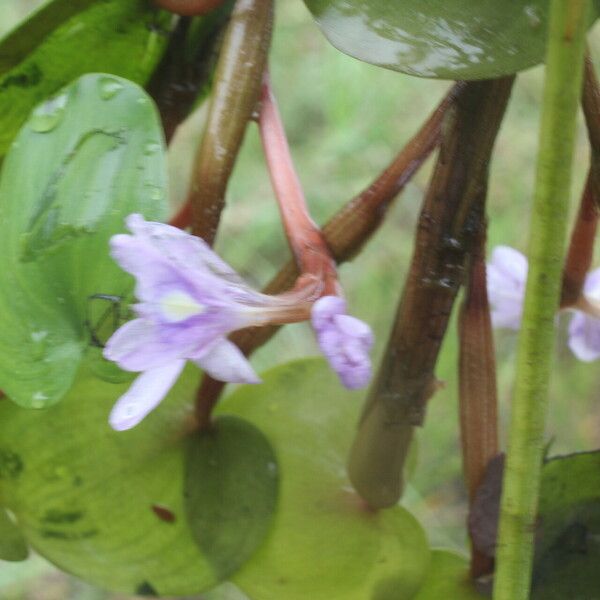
[(448, 39), (98, 153)]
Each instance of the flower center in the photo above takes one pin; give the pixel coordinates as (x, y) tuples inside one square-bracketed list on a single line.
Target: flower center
[(178, 306)]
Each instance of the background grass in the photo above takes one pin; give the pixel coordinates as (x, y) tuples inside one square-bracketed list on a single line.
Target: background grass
[(345, 121)]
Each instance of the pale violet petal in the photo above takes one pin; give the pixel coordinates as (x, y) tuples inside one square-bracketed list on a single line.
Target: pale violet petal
[(144, 395), (186, 250), (511, 262), (324, 309), (584, 337), (357, 377), (225, 362), (136, 346), (592, 286), (506, 279), (344, 340)]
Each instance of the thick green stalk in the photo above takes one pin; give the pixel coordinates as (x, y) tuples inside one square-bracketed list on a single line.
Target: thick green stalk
[(568, 22)]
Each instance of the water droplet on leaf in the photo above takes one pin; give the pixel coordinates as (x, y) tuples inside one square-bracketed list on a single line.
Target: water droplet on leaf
[(151, 148), (47, 116), (109, 87)]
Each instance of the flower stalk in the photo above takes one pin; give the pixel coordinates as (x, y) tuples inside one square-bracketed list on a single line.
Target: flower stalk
[(306, 240), (566, 47)]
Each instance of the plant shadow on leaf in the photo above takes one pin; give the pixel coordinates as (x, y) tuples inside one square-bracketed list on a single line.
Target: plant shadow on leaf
[(231, 482), (325, 543), (568, 549)]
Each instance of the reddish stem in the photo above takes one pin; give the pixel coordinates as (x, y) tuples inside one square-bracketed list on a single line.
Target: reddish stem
[(305, 238), (183, 218), (581, 248), (477, 385), (189, 8)]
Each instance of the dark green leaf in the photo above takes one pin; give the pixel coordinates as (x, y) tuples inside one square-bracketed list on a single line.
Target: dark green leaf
[(84, 160), (448, 579), (12, 543), (448, 39), (231, 491), (324, 542), (568, 549), (67, 38), (106, 506)]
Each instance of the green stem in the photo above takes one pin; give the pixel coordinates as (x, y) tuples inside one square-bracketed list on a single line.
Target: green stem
[(566, 45)]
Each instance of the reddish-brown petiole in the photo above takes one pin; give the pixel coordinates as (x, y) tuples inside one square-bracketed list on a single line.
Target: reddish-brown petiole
[(189, 8)]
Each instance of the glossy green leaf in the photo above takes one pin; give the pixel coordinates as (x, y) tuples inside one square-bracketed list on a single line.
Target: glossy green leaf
[(84, 160), (231, 492), (12, 543), (448, 39), (67, 38), (568, 549), (106, 506), (324, 542), (448, 579)]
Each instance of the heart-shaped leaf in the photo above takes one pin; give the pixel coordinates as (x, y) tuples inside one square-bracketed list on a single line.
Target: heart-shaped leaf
[(106, 506), (231, 491), (568, 549), (12, 543), (67, 38), (84, 160), (448, 39), (324, 542)]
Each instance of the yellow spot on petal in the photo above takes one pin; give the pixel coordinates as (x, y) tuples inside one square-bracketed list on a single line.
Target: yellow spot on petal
[(178, 306)]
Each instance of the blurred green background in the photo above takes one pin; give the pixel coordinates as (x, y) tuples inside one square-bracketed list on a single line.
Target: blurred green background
[(345, 122)]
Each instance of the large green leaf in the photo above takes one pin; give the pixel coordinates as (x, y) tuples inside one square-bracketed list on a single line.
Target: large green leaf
[(106, 506), (12, 543), (568, 549), (109, 507), (448, 579), (84, 160), (325, 543), (67, 38), (231, 491), (449, 39)]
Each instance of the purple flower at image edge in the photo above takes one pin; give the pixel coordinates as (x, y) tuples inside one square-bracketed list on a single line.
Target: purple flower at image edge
[(189, 301), (344, 340), (584, 329), (506, 280)]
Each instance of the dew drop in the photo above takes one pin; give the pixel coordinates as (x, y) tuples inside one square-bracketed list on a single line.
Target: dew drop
[(38, 344), (47, 116), (38, 399), (533, 16), (109, 87), (151, 148)]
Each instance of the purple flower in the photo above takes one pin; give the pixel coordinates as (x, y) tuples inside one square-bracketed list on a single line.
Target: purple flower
[(584, 329), (344, 340), (507, 275), (189, 301)]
